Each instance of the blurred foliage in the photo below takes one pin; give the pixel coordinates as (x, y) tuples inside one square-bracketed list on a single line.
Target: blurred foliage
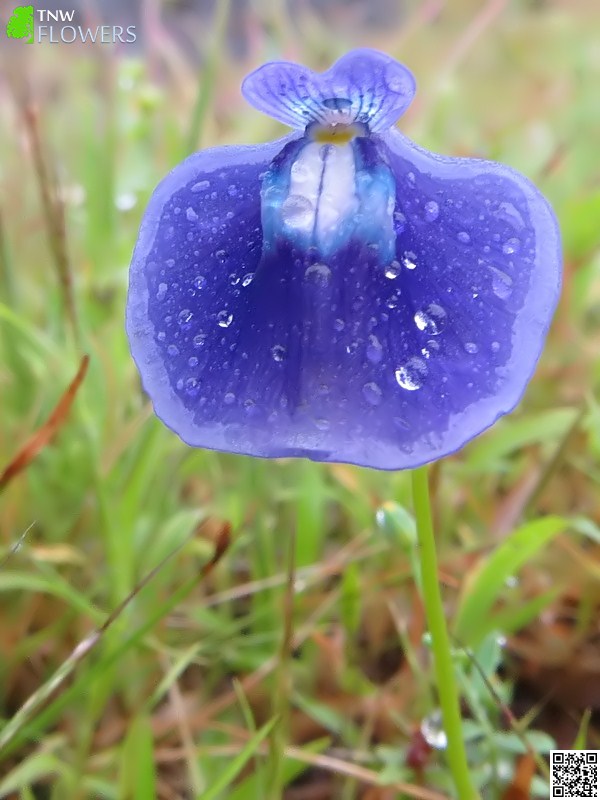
[(173, 699)]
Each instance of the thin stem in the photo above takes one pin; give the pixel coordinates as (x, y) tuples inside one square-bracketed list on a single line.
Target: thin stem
[(440, 641), (283, 688)]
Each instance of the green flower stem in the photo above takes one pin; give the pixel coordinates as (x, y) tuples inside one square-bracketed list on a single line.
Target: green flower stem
[(440, 641)]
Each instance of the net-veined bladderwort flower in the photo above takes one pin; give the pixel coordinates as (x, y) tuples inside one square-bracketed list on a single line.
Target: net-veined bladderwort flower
[(341, 293)]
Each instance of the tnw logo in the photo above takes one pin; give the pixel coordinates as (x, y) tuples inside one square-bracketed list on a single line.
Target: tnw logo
[(21, 24), (39, 26), (55, 16)]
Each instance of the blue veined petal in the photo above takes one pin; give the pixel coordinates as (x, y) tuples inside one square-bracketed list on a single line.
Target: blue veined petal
[(480, 255), (364, 86), (388, 337), (199, 245)]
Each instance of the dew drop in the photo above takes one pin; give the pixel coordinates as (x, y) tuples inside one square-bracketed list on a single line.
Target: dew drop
[(232, 190), (511, 246), (224, 319), (471, 348), (318, 273), (433, 731), (247, 279), (410, 260), (300, 171), (199, 281), (161, 336), (192, 387), (322, 424), (184, 318), (502, 284), (297, 211), (199, 339), (509, 213), (192, 361), (431, 320), (173, 350), (463, 237), (392, 270), (234, 279), (432, 211), (339, 325), (410, 376), (162, 291), (278, 352), (191, 214), (495, 347), (200, 186), (374, 350), (229, 398), (372, 393), (222, 256)]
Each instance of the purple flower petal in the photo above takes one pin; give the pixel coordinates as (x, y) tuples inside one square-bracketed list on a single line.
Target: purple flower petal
[(367, 302), (364, 86)]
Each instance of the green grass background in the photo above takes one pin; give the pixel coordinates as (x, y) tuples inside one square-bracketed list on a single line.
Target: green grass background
[(172, 699)]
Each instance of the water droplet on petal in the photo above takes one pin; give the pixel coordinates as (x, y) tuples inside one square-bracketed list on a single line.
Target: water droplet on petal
[(374, 350), (410, 376), (502, 284), (173, 350), (509, 213), (297, 211), (495, 347), (162, 291), (322, 424), (199, 281), (339, 324), (392, 270), (200, 186), (192, 387), (511, 246), (318, 273), (233, 279), (232, 190), (431, 320), (433, 731), (192, 361), (199, 339), (372, 393), (247, 279), (410, 260), (229, 399), (224, 318), (161, 336), (471, 348), (184, 318), (278, 352), (463, 237), (191, 214), (432, 211)]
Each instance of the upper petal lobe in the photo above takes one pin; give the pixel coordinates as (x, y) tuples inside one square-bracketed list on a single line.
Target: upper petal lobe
[(364, 86)]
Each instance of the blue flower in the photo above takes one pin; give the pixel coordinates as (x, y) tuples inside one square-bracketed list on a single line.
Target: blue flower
[(341, 293)]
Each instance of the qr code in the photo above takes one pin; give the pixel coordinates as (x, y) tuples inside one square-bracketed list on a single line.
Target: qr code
[(574, 774)]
